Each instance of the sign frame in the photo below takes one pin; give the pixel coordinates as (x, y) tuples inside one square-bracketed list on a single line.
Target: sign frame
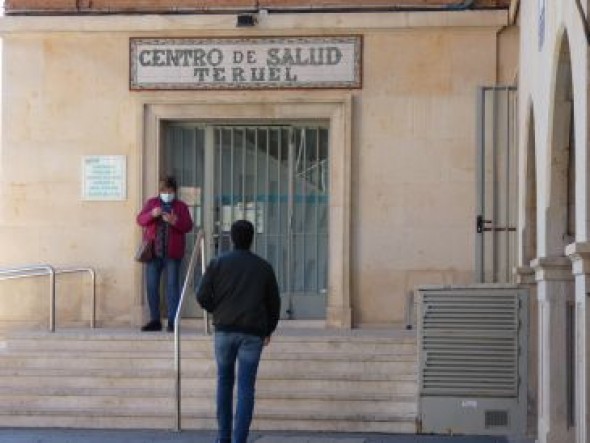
[(117, 163), (357, 65)]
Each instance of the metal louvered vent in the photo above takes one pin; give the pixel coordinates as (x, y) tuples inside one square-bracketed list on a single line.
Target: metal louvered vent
[(472, 359), (470, 344)]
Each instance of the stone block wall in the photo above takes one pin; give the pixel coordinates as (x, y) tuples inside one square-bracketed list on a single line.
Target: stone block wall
[(412, 160)]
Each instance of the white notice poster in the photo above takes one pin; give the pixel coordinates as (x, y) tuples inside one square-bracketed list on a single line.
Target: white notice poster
[(104, 177)]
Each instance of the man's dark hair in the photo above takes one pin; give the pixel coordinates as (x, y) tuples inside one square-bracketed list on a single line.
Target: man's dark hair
[(169, 182), (242, 233)]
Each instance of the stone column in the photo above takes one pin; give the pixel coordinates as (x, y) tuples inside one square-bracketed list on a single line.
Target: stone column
[(555, 285), (525, 277), (579, 253)]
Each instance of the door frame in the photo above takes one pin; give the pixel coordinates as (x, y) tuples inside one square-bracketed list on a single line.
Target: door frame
[(335, 108)]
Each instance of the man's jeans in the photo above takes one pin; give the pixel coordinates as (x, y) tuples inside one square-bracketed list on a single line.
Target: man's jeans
[(246, 349), (154, 269)]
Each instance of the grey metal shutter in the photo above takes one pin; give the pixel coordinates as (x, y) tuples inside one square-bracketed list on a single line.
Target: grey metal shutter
[(470, 344), (472, 349)]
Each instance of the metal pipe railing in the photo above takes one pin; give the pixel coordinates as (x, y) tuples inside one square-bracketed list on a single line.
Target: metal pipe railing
[(92, 274), (45, 269), (198, 250)]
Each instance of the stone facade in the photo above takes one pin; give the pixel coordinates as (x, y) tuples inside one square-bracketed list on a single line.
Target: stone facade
[(403, 151), (553, 89)]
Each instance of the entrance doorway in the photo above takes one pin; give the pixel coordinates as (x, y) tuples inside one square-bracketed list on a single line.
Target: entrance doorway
[(276, 176)]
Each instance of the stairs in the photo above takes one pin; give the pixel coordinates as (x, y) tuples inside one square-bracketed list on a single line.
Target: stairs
[(309, 379)]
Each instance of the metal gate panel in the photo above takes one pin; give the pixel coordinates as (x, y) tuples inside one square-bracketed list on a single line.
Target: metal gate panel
[(472, 359), (309, 222), (497, 184), (184, 158), (276, 177)]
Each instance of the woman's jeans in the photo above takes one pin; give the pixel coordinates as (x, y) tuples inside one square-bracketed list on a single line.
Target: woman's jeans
[(154, 269), (246, 349)]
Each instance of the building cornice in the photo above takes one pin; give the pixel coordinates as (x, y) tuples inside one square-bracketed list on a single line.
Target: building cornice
[(579, 254), (276, 24), (45, 7), (552, 268)]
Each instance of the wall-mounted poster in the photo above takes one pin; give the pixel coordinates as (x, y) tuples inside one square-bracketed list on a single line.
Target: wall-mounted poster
[(104, 177), (253, 212), (190, 195)]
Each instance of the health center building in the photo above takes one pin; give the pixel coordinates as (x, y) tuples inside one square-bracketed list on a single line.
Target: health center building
[(344, 130)]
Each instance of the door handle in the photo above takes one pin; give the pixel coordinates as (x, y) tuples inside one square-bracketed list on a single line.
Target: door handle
[(480, 223), (481, 226)]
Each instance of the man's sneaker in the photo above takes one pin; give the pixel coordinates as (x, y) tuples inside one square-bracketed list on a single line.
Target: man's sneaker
[(170, 327), (153, 325)]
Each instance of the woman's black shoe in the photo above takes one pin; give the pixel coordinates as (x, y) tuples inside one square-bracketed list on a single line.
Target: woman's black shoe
[(170, 327), (153, 325)]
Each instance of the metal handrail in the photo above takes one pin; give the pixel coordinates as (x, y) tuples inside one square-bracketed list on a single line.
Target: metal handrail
[(45, 269), (92, 274), (198, 250)]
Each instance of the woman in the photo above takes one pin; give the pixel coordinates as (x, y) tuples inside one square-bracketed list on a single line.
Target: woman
[(166, 220)]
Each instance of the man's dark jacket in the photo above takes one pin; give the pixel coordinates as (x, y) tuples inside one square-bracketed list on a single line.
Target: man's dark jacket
[(241, 291)]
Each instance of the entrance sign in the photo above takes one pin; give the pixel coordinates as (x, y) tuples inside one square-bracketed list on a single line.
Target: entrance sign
[(104, 177), (251, 63)]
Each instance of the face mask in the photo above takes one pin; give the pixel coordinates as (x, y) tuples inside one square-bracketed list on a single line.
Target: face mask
[(167, 198)]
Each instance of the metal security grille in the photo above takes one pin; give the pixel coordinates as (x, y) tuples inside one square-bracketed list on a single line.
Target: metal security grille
[(469, 344), (183, 157), (497, 185), (275, 176)]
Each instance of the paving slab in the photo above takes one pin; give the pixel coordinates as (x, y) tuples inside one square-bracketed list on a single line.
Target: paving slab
[(152, 436)]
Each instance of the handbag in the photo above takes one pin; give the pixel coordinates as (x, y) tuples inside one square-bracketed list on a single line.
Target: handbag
[(145, 252)]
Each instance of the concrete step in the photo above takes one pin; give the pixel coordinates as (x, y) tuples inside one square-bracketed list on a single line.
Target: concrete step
[(156, 342), (305, 371), (206, 365), (320, 381), (204, 392), (80, 415), (209, 372), (275, 422), (148, 404), (188, 355), (37, 381)]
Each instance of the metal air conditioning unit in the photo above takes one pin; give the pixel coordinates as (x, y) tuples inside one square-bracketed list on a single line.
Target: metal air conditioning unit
[(473, 359)]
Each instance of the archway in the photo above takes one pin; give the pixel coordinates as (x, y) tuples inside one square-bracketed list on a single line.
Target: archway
[(529, 230), (560, 212), (556, 288), (528, 251)]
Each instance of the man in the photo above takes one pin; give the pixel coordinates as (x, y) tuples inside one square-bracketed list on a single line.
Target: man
[(241, 291)]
